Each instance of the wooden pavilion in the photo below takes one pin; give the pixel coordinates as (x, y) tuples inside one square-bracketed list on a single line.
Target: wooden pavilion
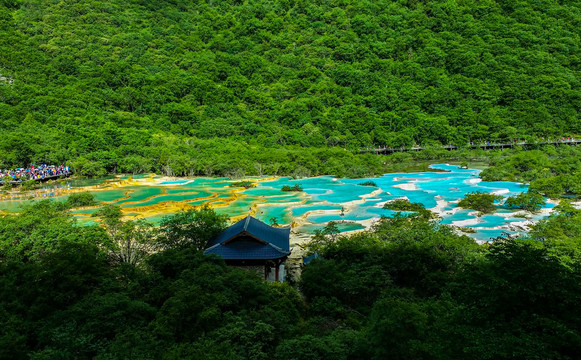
[(254, 245)]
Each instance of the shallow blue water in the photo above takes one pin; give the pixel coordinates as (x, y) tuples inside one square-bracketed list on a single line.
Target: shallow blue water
[(365, 202), (335, 199), (310, 228), (458, 216), (489, 234), (304, 209), (493, 220), (176, 182), (323, 198)]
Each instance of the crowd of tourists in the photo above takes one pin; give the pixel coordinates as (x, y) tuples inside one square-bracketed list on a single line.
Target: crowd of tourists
[(33, 172)]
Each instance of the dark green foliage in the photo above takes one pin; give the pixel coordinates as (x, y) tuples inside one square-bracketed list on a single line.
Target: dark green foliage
[(288, 188), (368, 183), (353, 286), (527, 201), (561, 233), (339, 345), (222, 88), (527, 297), (40, 229), (514, 273), (551, 172), (444, 297), (407, 289), (407, 251), (110, 215), (521, 166), (190, 229), (131, 241), (404, 327), (81, 199), (72, 302), (244, 184), (407, 206), (233, 88), (36, 292), (6, 183), (29, 185), (479, 201), (559, 186)]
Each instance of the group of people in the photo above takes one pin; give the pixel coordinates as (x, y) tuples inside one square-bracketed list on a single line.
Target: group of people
[(566, 139), (33, 172)]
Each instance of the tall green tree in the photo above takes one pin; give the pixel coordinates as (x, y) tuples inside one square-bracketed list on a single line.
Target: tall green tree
[(192, 228)]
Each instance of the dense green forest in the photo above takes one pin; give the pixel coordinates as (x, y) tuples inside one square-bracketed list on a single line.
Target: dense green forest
[(551, 172), (288, 87), (407, 289), (246, 87)]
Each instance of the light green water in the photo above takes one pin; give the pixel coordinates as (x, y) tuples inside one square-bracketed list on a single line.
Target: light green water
[(321, 201)]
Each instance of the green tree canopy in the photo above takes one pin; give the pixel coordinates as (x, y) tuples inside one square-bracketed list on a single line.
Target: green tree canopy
[(191, 228), (480, 201)]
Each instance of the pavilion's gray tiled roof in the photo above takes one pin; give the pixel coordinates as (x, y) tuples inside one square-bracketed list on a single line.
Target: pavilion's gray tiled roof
[(268, 243)]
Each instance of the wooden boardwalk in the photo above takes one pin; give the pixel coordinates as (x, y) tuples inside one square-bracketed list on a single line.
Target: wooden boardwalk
[(487, 146), (46, 178)]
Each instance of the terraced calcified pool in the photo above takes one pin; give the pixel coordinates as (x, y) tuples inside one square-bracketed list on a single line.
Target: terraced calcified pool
[(324, 199)]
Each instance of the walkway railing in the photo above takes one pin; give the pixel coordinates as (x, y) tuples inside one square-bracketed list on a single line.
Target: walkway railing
[(485, 146)]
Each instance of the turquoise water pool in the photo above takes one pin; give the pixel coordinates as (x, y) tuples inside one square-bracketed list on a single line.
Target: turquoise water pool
[(324, 199)]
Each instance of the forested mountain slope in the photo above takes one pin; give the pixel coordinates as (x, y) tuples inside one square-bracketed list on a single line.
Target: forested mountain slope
[(139, 85)]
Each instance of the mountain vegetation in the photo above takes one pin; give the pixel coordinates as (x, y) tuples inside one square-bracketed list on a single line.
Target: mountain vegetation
[(289, 87), (280, 87), (408, 288), (551, 172)]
